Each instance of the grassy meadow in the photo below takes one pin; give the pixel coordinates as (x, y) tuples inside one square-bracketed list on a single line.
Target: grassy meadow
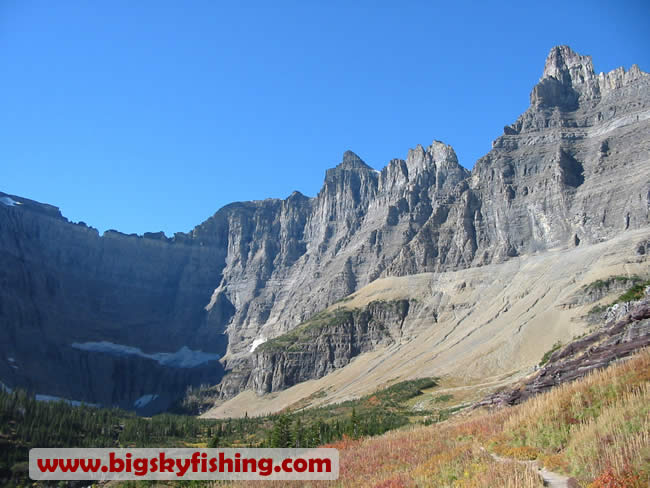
[(596, 430)]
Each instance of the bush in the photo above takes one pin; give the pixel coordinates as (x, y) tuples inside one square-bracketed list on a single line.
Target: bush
[(634, 293), (628, 478), (547, 354)]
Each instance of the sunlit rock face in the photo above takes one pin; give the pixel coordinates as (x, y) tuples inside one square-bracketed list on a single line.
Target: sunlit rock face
[(572, 170)]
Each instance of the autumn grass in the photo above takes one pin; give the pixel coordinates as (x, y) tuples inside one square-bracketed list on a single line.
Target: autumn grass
[(619, 438), (584, 428), (445, 456), (596, 429)]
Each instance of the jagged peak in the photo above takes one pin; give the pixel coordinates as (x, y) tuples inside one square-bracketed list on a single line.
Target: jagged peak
[(296, 194), (569, 77), (441, 152), (352, 161), (567, 66), (438, 153)]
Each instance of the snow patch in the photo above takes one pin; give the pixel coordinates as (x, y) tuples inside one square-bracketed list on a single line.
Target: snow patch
[(144, 400), (213, 299), (183, 358), (257, 342), (9, 202)]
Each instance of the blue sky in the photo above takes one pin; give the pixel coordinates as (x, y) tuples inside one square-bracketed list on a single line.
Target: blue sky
[(151, 115)]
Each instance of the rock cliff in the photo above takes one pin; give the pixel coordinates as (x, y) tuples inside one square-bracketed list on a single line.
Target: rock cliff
[(326, 342), (571, 171), (63, 284)]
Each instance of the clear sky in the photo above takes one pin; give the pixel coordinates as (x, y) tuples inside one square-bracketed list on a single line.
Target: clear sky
[(151, 115)]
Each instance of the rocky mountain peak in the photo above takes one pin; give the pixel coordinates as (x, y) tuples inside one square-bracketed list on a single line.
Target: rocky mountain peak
[(569, 77), (571, 171), (352, 161), (442, 154), (438, 154), (567, 66), (351, 180)]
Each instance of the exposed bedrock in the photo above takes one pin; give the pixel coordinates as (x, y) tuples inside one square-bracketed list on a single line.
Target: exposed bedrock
[(573, 170)]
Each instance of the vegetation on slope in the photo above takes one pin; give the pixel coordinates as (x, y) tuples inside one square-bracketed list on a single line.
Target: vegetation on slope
[(547, 355), (26, 423), (371, 415), (586, 428), (303, 332), (596, 429), (327, 318), (635, 290), (608, 282), (634, 293)]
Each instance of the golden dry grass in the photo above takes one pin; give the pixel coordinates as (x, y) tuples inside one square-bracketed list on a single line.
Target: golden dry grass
[(586, 427), (595, 429)]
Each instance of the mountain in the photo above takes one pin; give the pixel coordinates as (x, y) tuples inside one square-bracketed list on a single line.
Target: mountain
[(126, 320)]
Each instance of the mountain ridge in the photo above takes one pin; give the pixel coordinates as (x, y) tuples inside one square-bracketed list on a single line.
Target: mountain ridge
[(571, 171)]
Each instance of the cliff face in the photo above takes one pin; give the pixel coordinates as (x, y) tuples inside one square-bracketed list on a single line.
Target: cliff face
[(571, 171), (325, 343), (564, 174), (63, 284)]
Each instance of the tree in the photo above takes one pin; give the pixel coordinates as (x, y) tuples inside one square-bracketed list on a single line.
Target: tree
[(215, 440), (297, 434), (281, 436), (355, 425)]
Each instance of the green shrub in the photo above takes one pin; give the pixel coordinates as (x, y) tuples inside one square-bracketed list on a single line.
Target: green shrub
[(547, 354)]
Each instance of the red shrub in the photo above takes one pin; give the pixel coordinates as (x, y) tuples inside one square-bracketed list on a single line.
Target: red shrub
[(629, 478)]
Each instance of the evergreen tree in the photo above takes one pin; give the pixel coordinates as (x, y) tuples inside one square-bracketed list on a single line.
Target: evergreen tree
[(281, 436), (297, 434), (215, 440)]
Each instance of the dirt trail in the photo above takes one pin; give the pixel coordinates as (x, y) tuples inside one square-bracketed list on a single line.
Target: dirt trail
[(551, 479)]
